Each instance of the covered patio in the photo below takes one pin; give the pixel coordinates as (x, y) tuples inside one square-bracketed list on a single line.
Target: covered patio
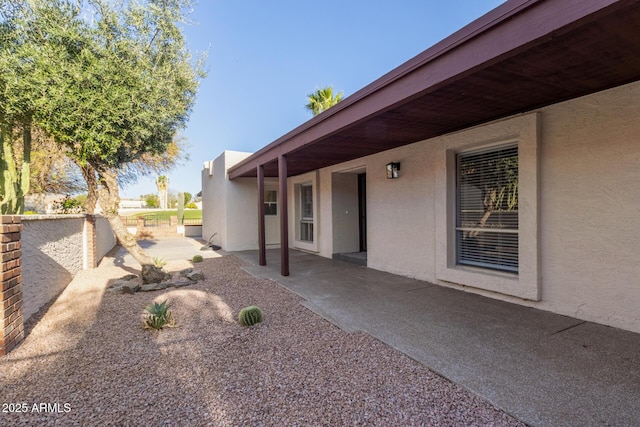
[(521, 56), (541, 367)]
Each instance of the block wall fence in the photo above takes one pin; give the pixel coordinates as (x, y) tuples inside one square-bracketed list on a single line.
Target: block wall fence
[(11, 318), (40, 254)]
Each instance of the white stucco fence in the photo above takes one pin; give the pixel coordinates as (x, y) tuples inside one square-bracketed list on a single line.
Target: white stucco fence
[(54, 249)]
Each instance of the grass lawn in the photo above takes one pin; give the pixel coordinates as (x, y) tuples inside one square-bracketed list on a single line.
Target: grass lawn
[(188, 214)]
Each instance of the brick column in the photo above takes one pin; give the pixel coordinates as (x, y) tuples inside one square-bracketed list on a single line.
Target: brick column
[(11, 320), (90, 233)]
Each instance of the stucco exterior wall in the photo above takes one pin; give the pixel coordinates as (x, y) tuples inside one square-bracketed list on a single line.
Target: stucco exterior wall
[(590, 178), (51, 255), (54, 249), (242, 214), (230, 208), (214, 201), (579, 204), (105, 239)]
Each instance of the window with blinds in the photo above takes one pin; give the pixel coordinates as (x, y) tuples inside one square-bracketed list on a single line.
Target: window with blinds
[(487, 208)]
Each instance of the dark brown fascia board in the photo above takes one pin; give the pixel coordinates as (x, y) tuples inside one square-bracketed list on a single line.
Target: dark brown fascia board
[(509, 28)]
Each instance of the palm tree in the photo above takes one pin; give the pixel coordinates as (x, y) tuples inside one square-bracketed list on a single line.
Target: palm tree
[(322, 99), (162, 182)]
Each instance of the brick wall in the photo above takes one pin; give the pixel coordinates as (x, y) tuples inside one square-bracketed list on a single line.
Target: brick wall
[(91, 258), (11, 319)]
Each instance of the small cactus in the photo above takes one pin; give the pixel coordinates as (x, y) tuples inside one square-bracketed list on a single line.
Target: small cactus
[(250, 315), (197, 258)]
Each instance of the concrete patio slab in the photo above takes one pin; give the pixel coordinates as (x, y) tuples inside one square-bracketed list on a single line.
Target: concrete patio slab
[(543, 368), (167, 248)]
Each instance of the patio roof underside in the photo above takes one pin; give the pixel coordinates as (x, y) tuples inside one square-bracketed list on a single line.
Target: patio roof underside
[(485, 72)]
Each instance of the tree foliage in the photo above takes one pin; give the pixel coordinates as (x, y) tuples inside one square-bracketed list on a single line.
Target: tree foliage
[(151, 200), (52, 171), (322, 99), (111, 82)]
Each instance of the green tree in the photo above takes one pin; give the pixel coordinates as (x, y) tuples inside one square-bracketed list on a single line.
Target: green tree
[(322, 99), (51, 170), (17, 80), (118, 86), (151, 200), (187, 198)]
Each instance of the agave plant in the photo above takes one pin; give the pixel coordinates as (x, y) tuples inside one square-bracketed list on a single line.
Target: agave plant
[(159, 316), (159, 262)]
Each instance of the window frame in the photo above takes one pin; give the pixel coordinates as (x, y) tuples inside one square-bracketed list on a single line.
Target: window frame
[(270, 203), (472, 255), (305, 232), (525, 131), (295, 211)]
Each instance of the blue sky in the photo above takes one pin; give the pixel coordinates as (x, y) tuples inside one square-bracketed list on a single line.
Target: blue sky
[(264, 57)]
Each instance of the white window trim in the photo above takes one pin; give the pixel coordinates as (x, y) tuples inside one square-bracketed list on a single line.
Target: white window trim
[(294, 184), (525, 131), (266, 203)]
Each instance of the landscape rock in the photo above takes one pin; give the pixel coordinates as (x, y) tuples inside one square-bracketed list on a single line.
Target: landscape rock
[(121, 282), (151, 274), (153, 287), (186, 271), (128, 284), (182, 283), (195, 276), (130, 289), (131, 283)]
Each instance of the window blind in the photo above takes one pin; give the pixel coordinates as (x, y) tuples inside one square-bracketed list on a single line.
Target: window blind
[(487, 208)]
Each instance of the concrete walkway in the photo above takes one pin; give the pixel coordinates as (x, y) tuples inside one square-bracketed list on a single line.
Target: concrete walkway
[(167, 248), (543, 368)]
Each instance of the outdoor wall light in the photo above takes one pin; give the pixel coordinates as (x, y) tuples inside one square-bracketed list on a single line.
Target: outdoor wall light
[(392, 170)]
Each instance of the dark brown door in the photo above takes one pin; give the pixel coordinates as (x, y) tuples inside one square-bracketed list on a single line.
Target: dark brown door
[(362, 209)]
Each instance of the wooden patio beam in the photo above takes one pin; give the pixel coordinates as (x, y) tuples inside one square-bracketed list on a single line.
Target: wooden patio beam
[(284, 217), (262, 247)]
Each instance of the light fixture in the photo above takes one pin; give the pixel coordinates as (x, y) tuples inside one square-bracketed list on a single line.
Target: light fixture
[(392, 170)]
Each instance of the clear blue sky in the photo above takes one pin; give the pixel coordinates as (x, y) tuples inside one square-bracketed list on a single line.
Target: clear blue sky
[(264, 57)]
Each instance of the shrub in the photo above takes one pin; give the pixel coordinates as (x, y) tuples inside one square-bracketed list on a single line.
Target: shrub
[(159, 316), (159, 262), (197, 258), (250, 315), (67, 205), (191, 206)]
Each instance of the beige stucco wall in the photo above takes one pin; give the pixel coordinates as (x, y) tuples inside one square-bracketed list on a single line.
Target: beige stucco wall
[(579, 204), (590, 181), (105, 239), (51, 255), (230, 208), (54, 249)]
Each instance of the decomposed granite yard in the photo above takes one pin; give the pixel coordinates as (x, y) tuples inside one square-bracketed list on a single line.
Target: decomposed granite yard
[(88, 361)]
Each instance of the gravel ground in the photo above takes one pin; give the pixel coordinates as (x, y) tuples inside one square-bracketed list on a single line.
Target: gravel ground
[(88, 361)]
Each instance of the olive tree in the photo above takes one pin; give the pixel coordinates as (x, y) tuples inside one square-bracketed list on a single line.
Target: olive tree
[(119, 83)]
